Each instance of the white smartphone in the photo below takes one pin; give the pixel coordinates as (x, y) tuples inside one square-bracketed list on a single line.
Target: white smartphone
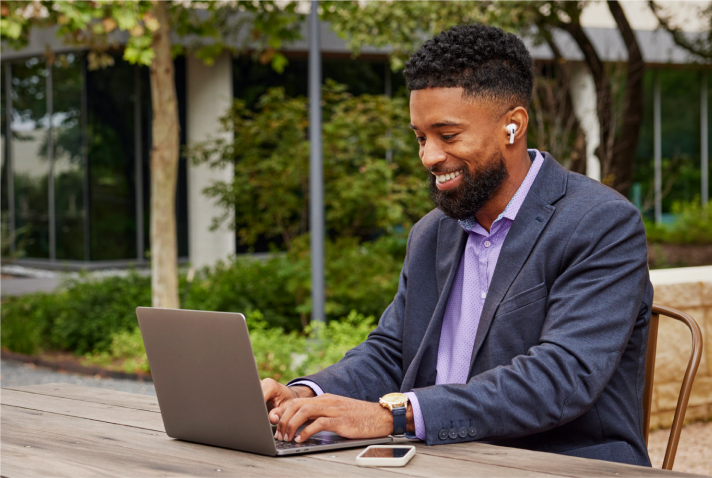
[(386, 455)]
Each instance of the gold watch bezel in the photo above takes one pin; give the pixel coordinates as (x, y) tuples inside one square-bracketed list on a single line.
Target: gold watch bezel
[(393, 400)]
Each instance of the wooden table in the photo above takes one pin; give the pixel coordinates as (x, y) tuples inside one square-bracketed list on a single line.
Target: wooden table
[(65, 430)]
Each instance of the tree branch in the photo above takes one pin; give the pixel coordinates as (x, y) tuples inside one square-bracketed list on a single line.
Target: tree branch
[(700, 48)]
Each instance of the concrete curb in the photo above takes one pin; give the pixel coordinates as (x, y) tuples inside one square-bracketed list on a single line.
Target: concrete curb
[(64, 366)]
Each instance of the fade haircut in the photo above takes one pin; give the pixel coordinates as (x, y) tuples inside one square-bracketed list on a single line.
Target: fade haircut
[(483, 60)]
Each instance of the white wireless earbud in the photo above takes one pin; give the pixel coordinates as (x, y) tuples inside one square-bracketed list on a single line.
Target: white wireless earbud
[(511, 129)]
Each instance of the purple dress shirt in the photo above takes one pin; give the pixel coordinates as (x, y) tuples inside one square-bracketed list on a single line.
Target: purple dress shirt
[(468, 294)]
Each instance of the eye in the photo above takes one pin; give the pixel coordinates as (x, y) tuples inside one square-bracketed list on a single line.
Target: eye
[(420, 139), (448, 136)]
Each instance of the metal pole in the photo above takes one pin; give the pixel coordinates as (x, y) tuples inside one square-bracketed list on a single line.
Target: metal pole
[(316, 179), (50, 157), (658, 149), (138, 151), (8, 154), (704, 164), (85, 160)]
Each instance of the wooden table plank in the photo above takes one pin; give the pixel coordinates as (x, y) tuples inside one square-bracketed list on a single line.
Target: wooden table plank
[(550, 463), (116, 407), (89, 410), (116, 450), (426, 465), (36, 415), (91, 394)]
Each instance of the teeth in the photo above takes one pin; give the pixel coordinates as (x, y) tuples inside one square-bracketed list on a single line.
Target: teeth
[(446, 177)]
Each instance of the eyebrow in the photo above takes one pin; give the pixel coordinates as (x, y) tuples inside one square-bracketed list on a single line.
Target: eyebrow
[(439, 125)]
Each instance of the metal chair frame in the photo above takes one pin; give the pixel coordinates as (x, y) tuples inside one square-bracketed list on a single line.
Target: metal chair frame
[(688, 379)]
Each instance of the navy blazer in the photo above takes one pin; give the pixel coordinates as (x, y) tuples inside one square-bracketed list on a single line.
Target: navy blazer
[(558, 363)]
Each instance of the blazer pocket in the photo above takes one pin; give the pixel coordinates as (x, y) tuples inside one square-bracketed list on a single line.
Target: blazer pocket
[(522, 299)]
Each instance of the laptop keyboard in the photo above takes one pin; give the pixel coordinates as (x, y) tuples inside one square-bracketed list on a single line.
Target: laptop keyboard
[(284, 445)]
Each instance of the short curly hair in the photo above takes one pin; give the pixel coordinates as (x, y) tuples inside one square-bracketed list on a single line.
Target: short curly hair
[(483, 60)]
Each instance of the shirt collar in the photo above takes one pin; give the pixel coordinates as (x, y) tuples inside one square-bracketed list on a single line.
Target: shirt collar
[(510, 212)]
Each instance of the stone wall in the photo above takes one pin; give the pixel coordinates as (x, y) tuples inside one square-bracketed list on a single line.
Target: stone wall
[(689, 290)]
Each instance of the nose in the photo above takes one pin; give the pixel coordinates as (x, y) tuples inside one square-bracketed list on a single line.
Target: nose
[(432, 154)]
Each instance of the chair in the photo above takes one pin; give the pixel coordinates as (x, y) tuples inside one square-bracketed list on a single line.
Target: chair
[(686, 387)]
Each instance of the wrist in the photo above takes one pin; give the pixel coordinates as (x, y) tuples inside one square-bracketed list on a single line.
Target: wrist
[(302, 391), (385, 420), (410, 418)]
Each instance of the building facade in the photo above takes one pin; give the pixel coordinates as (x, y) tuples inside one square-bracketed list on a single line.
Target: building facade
[(76, 142)]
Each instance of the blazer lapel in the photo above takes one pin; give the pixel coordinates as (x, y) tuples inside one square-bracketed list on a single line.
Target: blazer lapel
[(451, 242), (531, 220)]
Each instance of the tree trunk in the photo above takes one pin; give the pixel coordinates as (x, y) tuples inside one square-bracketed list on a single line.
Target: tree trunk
[(164, 167), (626, 144), (604, 103), (615, 151)]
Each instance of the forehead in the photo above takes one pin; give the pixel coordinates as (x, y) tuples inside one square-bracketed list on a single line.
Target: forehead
[(431, 106)]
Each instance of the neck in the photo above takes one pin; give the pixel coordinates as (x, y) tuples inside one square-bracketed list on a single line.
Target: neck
[(518, 165)]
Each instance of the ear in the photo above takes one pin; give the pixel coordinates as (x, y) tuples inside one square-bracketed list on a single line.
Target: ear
[(519, 117)]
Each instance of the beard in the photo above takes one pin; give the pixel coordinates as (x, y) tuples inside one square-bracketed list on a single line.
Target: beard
[(464, 201)]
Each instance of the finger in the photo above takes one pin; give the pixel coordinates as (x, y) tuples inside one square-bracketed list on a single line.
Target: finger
[(305, 413), (286, 412), (276, 414), (290, 410), (318, 425), (269, 389)]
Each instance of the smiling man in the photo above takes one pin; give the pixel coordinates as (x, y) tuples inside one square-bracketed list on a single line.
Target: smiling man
[(522, 313)]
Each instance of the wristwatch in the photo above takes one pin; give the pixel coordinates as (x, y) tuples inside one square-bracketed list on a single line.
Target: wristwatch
[(396, 403)]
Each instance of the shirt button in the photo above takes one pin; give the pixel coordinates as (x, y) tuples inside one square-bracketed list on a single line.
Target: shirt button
[(472, 431), (484, 295), (463, 432), (453, 433), (442, 434), (488, 243)]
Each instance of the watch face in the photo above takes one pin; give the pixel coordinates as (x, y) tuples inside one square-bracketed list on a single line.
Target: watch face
[(395, 399)]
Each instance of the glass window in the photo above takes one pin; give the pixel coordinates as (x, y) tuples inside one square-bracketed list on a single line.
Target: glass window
[(111, 142), (4, 206), (67, 85), (680, 141), (180, 65), (251, 79), (29, 149)]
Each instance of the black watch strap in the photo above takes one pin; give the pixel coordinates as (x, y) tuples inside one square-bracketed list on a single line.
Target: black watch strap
[(399, 421)]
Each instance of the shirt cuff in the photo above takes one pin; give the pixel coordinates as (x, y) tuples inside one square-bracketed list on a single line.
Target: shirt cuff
[(315, 388), (417, 416)]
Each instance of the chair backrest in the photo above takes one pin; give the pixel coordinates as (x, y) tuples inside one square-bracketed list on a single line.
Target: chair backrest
[(687, 381)]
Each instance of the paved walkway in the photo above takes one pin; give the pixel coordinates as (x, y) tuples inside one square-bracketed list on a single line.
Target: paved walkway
[(27, 285), (15, 374)]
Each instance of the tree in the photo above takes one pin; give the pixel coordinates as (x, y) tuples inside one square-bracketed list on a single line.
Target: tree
[(364, 193), (404, 25), (207, 27), (698, 45)]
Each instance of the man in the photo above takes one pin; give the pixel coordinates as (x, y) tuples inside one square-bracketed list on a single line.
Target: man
[(522, 313)]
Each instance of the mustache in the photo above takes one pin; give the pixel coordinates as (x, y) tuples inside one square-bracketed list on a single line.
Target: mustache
[(441, 170)]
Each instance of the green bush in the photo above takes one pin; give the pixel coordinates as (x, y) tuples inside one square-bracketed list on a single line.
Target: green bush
[(359, 276), (287, 355), (268, 147), (27, 320), (280, 355), (81, 318), (693, 225), (88, 315)]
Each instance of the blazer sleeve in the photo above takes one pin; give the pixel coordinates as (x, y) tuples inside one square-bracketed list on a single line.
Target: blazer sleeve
[(375, 367), (592, 309)]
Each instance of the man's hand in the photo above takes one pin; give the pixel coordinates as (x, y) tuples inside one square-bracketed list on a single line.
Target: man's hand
[(278, 395), (345, 416)]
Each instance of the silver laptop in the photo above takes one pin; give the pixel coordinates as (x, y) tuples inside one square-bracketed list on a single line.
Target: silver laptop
[(208, 387)]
